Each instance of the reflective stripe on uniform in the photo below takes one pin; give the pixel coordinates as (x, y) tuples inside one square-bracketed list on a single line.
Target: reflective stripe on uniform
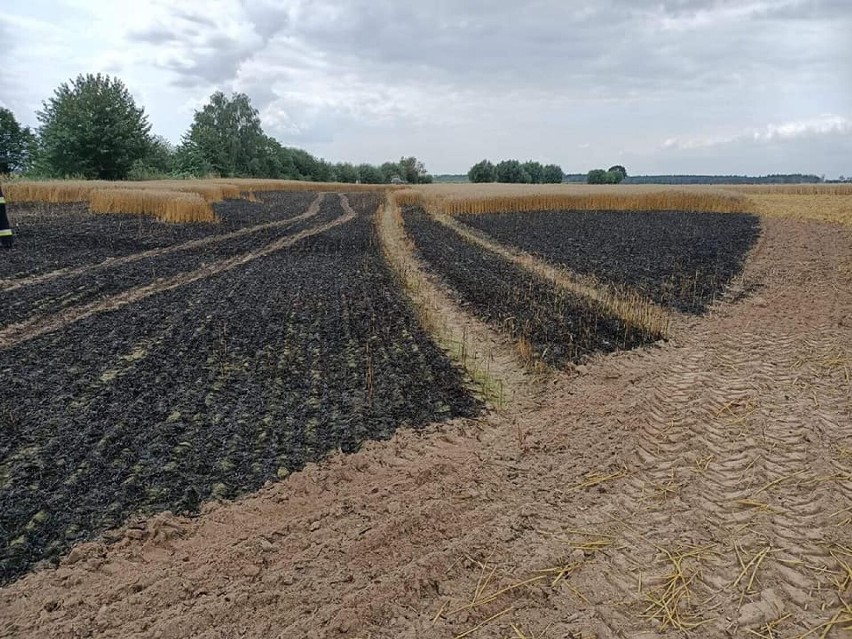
[(6, 233), (2, 200)]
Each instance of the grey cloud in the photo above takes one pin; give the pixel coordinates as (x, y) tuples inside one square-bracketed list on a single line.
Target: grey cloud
[(200, 52), (268, 20), (612, 48), (196, 19), (816, 153), (156, 34)]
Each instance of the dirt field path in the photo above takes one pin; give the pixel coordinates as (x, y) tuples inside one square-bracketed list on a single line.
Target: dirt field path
[(703, 487)]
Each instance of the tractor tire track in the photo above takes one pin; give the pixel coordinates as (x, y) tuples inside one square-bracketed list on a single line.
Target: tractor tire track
[(741, 452), (19, 333)]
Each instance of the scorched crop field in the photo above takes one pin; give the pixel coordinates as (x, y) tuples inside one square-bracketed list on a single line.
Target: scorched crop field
[(425, 412)]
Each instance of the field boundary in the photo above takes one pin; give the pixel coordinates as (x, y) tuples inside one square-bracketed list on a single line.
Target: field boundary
[(631, 307), (19, 333), (499, 371), (16, 283)]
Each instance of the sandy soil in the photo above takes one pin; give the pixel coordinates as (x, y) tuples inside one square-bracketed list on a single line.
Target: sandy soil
[(702, 486)]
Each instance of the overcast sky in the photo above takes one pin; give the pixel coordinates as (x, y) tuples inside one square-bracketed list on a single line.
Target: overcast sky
[(661, 86)]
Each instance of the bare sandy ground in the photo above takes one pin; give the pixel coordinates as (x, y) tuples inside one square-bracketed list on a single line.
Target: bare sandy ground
[(703, 486)]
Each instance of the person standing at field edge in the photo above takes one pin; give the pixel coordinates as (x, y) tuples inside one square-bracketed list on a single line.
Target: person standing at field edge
[(5, 229)]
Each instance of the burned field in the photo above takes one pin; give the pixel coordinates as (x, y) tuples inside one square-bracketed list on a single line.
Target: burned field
[(558, 326), (86, 284), (62, 236), (680, 260), (210, 389)]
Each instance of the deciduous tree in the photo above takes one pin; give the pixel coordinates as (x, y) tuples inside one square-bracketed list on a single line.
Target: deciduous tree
[(483, 171), (553, 174), (512, 171), (92, 127), (535, 170), (16, 143), (228, 134)]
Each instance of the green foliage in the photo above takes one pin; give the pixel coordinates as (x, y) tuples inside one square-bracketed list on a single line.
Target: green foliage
[(483, 171), (141, 171), (190, 162), (620, 170), (228, 134), (535, 170), (599, 176), (412, 170), (92, 127), (369, 174), (17, 144), (552, 174), (346, 172), (390, 170), (513, 172), (158, 163)]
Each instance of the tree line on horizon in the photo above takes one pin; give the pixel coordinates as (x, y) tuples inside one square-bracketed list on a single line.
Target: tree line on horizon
[(92, 128), (531, 172), (515, 172)]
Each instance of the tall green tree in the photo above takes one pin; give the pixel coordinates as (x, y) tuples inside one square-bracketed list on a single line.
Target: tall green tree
[(597, 176), (512, 171), (227, 132), (369, 174), (92, 127), (535, 170), (553, 174), (483, 171), (413, 171), (346, 172), (390, 170), (620, 170), (16, 143)]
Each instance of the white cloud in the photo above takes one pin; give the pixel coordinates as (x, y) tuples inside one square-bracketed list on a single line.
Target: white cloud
[(823, 125)]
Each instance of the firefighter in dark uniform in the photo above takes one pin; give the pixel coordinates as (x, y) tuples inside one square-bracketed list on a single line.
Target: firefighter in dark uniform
[(5, 229)]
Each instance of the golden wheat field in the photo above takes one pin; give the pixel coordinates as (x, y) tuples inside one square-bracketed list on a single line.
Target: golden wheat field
[(191, 200), (822, 202)]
